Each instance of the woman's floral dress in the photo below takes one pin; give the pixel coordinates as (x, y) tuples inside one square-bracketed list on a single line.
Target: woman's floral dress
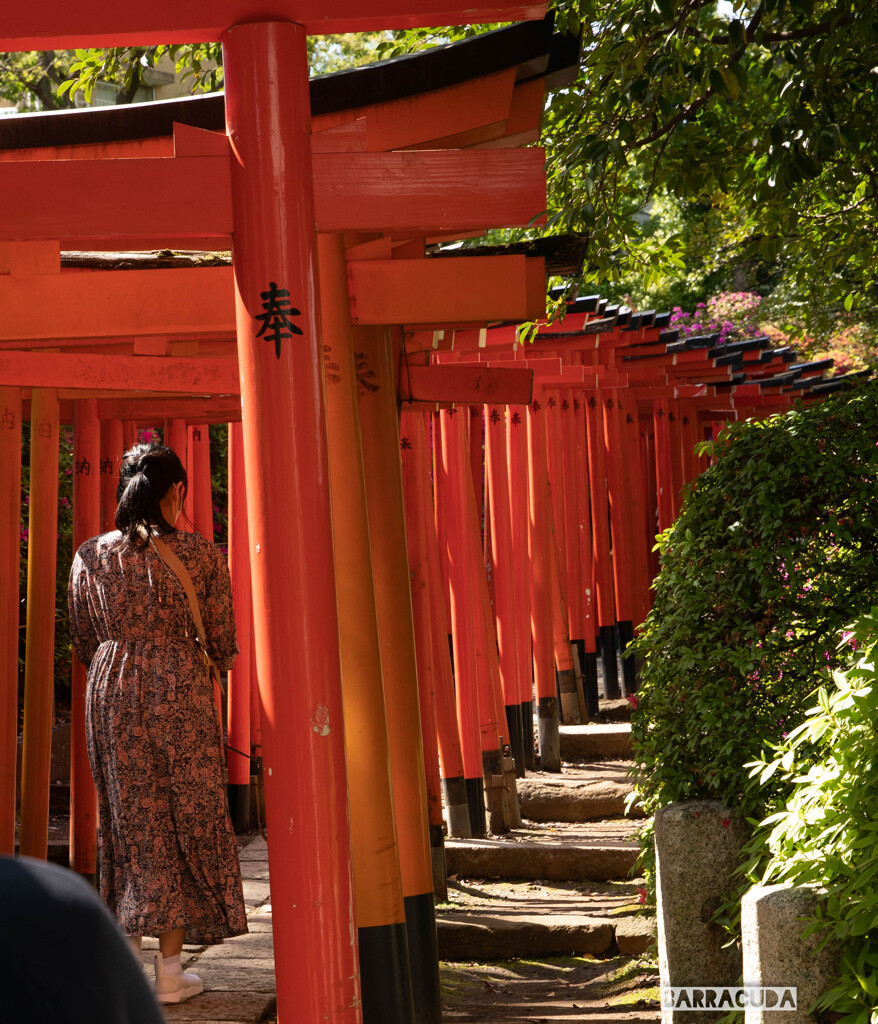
[(168, 856)]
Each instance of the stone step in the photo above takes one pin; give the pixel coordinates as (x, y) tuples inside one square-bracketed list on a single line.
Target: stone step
[(561, 860), (563, 799), (485, 936), (596, 740)]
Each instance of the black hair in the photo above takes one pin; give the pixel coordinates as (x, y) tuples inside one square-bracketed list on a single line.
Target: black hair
[(147, 473)]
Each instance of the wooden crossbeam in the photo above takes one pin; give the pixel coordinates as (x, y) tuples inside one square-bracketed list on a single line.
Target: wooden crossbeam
[(465, 384), (94, 304), (120, 373), (189, 197), (473, 289), (55, 25)]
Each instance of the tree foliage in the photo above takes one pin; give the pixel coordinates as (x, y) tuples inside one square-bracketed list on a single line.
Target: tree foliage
[(773, 552)]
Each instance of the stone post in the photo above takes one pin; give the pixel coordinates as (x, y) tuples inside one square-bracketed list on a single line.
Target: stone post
[(698, 845), (773, 918)]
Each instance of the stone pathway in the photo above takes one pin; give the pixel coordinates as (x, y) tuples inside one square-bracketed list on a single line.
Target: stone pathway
[(238, 975)]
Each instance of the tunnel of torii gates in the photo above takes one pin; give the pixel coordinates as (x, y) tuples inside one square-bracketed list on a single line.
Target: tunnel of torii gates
[(382, 419)]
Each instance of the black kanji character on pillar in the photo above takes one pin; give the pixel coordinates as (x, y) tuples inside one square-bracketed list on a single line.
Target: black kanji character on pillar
[(535, 407), (451, 412), (83, 467), (106, 465), (565, 405), (405, 444), (495, 416), (7, 419), (196, 434), (576, 405), (276, 323), (516, 419), (550, 402), (629, 418), (331, 369)]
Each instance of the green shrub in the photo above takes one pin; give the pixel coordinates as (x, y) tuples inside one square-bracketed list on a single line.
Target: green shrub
[(827, 833), (775, 549)]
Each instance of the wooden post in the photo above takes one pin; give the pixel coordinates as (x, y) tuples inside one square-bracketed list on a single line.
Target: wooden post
[(86, 523), (516, 464), (505, 603), (240, 679), (381, 929), (286, 464), (450, 753), (540, 549), (600, 536), (379, 423), (418, 520), (112, 450), (200, 499), (10, 548), (39, 667)]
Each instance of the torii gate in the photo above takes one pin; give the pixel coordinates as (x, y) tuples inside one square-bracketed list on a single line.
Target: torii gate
[(280, 356)]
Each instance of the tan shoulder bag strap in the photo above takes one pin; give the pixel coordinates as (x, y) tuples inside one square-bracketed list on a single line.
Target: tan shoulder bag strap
[(182, 574)]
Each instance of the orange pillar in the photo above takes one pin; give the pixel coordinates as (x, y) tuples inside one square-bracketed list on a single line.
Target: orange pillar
[(587, 641), (240, 679), (541, 615), (379, 423), (505, 602), (112, 450), (516, 464), (448, 737), (39, 667), (10, 555), (86, 523), (600, 536), (418, 519), (664, 464), (380, 913), (288, 503), (200, 498), (129, 434), (451, 509)]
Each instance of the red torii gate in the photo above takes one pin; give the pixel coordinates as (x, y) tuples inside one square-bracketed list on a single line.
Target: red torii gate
[(272, 208)]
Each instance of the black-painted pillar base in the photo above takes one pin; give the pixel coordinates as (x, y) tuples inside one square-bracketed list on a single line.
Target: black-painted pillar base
[(550, 739), (385, 975), (588, 664), (437, 863), (611, 664), (420, 919), (239, 806), (568, 700), (515, 727), (454, 796), (527, 724), (475, 798), (629, 666)]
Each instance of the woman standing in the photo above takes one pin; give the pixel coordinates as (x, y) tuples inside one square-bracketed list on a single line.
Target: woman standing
[(168, 857)]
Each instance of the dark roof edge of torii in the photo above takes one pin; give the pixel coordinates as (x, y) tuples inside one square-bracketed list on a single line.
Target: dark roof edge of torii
[(531, 47)]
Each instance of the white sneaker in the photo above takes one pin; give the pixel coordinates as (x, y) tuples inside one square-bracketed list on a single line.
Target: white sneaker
[(175, 988)]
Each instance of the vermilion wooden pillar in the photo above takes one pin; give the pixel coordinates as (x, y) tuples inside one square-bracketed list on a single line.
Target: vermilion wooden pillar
[(129, 434), (240, 679), (587, 641), (381, 928), (10, 548), (288, 502), (516, 464), (541, 614), (618, 461), (39, 668), (561, 602), (112, 449), (418, 519), (600, 537), (664, 471), (505, 603), (451, 509), (86, 523), (379, 424), (450, 754), (200, 497)]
